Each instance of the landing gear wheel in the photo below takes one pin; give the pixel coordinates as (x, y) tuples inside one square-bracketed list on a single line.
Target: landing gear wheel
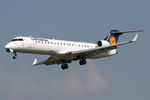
[(82, 62), (64, 66), (14, 57)]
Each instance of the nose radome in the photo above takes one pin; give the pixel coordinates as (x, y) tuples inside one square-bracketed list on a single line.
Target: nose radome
[(8, 46)]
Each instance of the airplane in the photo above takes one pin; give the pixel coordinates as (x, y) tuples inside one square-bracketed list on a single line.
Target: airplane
[(64, 52)]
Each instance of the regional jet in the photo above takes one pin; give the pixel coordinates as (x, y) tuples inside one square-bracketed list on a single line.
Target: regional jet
[(64, 52)]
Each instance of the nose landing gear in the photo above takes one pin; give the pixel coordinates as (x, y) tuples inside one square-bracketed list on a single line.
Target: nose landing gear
[(15, 55), (13, 52)]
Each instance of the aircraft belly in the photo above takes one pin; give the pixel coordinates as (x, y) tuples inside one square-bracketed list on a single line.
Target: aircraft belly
[(100, 55)]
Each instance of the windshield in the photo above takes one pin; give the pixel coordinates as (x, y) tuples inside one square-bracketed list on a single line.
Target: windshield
[(17, 40)]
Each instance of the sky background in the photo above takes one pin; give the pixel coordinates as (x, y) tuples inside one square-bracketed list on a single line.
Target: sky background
[(125, 76)]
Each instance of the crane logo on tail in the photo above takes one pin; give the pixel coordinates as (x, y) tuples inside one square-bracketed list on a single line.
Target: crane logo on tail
[(112, 40)]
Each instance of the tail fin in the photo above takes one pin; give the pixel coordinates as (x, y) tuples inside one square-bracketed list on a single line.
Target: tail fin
[(113, 38)]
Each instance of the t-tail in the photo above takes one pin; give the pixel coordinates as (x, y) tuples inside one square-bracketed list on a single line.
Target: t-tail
[(113, 36)]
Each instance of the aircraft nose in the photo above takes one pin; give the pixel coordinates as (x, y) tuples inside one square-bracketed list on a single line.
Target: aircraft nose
[(8, 46)]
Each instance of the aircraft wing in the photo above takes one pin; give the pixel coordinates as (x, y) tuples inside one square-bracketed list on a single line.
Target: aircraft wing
[(102, 49), (50, 61)]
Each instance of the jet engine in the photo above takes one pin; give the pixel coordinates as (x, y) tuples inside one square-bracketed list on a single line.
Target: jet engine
[(102, 43)]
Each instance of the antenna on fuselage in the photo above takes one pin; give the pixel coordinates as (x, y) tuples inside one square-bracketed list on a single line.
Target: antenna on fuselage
[(30, 36), (53, 38), (52, 35)]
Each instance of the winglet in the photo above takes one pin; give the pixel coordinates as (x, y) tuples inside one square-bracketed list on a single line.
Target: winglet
[(135, 38), (34, 62)]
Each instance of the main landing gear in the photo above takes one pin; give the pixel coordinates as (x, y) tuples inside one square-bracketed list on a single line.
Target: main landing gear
[(64, 66), (82, 62), (13, 52)]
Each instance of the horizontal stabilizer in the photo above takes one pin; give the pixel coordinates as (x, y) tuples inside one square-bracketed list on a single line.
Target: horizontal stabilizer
[(128, 32)]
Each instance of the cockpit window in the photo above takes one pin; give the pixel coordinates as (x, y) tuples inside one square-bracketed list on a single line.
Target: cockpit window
[(14, 40), (20, 39), (17, 40)]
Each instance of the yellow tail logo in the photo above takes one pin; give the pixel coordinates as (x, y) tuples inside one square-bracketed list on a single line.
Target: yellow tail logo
[(112, 40)]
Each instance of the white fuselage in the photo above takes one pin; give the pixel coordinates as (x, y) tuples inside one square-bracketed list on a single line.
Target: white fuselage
[(53, 47)]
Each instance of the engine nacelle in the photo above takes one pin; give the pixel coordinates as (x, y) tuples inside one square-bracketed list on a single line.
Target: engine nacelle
[(102, 43)]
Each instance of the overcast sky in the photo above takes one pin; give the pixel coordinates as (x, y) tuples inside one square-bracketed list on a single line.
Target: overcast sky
[(125, 76)]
